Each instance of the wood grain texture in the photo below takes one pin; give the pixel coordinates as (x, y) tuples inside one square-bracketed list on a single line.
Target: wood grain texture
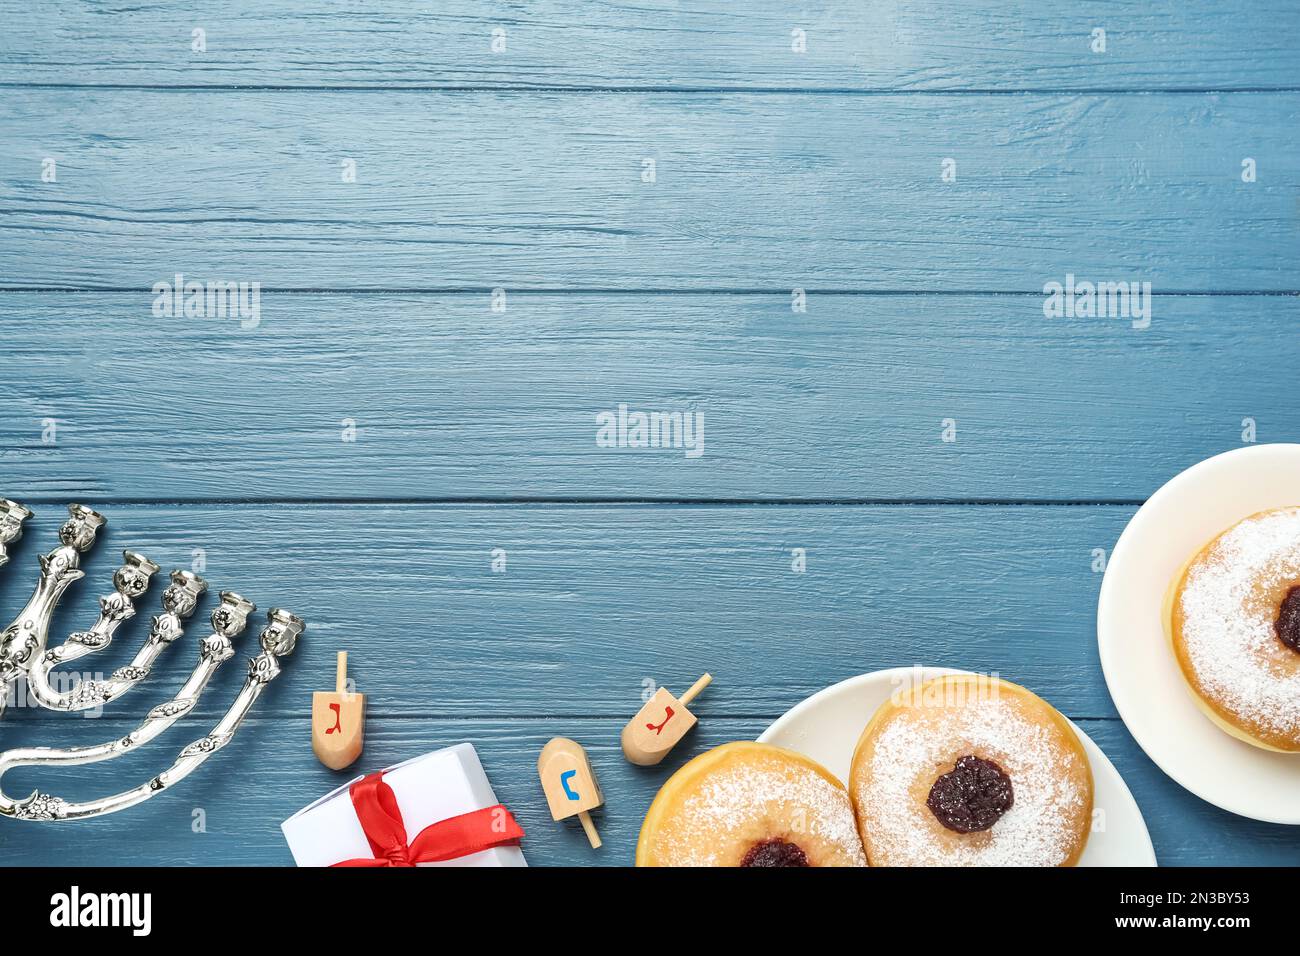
[(454, 401), (885, 44), (523, 170), (268, 773), (477, 190), (598, 601)]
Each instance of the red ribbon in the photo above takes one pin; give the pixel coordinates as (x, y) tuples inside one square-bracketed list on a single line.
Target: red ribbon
[(449, 839)]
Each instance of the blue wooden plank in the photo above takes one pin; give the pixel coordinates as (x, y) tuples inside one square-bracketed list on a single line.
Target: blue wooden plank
[(885, 44), (241, 796), (845, 401), (597, 600), (798, 183), (480, 190)]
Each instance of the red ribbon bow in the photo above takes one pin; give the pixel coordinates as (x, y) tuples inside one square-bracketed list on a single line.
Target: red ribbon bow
[(449, 839)]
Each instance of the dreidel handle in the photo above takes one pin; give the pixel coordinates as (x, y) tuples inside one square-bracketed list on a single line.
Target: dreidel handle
[(694, 690), (341, 674), (592, 836)]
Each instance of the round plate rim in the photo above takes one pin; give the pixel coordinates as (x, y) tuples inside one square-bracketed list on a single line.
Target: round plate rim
[(810, 703), (1108, 652)]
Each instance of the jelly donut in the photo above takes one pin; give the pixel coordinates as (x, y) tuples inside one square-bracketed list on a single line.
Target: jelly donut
[(1234, 621), (748, 804), (967, 770)]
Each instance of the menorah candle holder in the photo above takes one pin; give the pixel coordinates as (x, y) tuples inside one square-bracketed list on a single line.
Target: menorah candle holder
[(12, 516), (23, 653)]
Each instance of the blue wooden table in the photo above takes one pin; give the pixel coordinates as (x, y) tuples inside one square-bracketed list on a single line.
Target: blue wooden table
[(824, 229)]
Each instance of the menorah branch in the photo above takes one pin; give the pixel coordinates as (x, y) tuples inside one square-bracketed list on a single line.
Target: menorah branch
[(278, 640), (23, 642), (178, 600), (24, 654)]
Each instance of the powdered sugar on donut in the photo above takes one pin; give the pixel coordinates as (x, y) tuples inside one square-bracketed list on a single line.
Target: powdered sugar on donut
[(1048, 778), (739, 795), (1227, 626)]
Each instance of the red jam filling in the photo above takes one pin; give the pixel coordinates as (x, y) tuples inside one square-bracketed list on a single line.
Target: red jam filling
[(774, 852), (1287, 625), (972, 796)]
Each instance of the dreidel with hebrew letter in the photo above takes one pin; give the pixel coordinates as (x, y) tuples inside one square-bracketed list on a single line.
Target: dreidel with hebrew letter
[(569, 784), (338, 721), (660, 724)]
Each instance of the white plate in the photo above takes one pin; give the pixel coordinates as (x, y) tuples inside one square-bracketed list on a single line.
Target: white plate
[(827, 725), (1144, 679)]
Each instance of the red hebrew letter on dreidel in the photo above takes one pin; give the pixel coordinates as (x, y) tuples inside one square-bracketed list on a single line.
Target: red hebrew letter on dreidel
[(338, 726), (659, 725)]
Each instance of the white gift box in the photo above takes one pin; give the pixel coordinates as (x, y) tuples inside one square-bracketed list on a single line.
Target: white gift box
[(434, 787)]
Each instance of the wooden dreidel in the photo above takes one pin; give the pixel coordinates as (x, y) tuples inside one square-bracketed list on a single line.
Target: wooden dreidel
[(337, 721), (660, 724), (569, 784)]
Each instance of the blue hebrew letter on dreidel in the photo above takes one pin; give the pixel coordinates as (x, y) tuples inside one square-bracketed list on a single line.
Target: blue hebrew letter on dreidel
[(567, 780), (564, 782)]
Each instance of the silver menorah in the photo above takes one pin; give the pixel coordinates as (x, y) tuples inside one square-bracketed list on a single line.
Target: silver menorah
[(24, 654)]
